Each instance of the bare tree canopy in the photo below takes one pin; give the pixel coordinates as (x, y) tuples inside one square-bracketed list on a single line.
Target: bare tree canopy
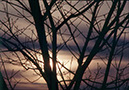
[(67, 44)]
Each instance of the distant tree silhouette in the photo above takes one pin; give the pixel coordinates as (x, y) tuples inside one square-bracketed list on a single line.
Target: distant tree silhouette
[(89, 31), (3, 85)]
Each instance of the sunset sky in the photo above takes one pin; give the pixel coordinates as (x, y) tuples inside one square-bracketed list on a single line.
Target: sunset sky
[(26, 33)]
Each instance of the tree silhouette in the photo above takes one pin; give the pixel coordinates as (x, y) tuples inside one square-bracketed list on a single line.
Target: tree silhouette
[(90, 31)]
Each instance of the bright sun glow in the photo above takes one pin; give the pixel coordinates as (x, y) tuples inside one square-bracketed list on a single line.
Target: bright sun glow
[(51, 64)]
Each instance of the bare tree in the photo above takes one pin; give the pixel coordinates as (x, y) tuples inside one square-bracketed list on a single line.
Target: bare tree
[(34, 32)]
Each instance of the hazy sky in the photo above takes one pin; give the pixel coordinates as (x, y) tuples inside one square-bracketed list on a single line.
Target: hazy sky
[(64, 56)]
